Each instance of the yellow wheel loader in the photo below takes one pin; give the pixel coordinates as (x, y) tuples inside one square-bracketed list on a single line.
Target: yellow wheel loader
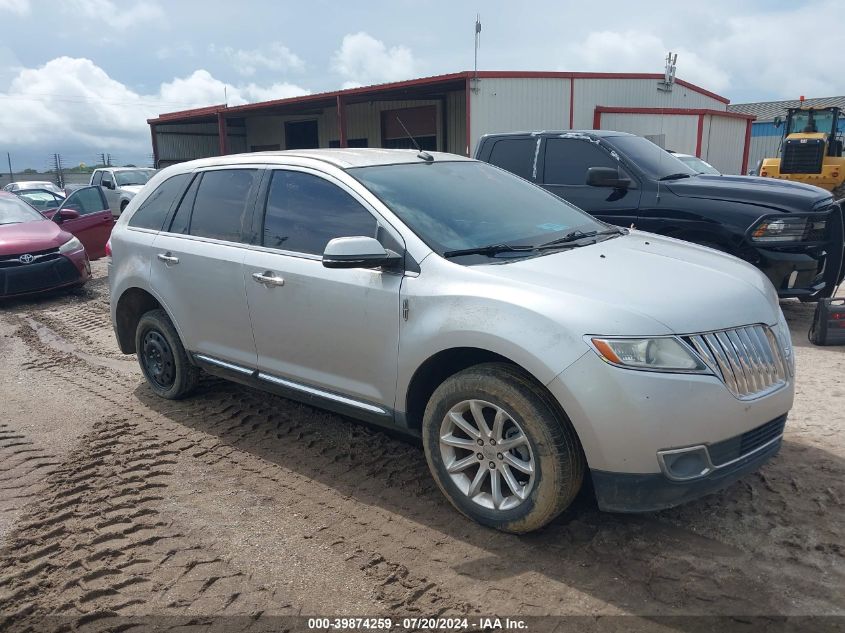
[(811, 151)]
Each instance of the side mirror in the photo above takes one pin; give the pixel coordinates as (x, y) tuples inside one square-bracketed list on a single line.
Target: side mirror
[(108, 184), (606, 177), (357, 252), (65, 214)]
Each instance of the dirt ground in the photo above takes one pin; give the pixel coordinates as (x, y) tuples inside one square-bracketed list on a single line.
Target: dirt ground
[(116, 504)]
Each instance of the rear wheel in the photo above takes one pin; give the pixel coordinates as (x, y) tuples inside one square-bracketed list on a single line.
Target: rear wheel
[(499, 450), (164, 361)]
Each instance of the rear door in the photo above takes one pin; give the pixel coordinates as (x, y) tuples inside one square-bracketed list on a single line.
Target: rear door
[(333, 330), (197, 264), (94, 224), (565, 162)]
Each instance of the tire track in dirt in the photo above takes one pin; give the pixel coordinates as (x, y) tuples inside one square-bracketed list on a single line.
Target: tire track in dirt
[(23, 468), (235, 430), (394, 586)]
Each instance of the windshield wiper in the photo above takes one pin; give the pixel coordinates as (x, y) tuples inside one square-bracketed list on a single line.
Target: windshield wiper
[(677, 176), (574, 236), (490, 249)]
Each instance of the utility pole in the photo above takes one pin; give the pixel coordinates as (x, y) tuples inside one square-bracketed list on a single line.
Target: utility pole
[(11, 175), (57, 166), (108, 160), (103, 159)]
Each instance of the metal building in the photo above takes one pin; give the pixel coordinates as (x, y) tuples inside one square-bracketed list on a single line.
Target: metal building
[(765, 136), (450, 112)]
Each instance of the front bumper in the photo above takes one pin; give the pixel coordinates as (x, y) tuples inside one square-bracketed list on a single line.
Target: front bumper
[(621, 492), (805, 275), (50, 273)]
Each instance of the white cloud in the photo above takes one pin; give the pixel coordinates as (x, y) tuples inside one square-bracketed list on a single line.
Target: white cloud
[(362, 59), (19, 7), (73, 102), (175, 51), (114, 16), (277, 57)]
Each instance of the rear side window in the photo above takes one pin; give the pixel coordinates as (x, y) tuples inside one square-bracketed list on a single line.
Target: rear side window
[(222, 205), (516, 155), (305, 211), (567, 160), (152, 213), (97, 178)]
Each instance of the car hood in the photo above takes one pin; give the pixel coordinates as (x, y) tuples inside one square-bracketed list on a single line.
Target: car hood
[(133, 189), (30, 237), (779, 195), (645, 284)]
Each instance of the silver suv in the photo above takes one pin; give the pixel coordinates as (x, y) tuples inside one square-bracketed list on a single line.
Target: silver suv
[(121, 184), (528, 344)]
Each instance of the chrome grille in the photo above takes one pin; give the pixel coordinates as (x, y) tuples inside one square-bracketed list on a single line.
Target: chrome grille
[(749, 360)]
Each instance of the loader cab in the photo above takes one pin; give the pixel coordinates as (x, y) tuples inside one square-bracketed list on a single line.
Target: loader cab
[(821, 121)]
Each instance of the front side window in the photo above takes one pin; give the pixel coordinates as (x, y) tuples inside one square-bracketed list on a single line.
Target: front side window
[(97, 178), (86, 201), (15, 211), (153, 211), (222, 205), (566, 161), (469, 204), (305, 211), (650, 158)]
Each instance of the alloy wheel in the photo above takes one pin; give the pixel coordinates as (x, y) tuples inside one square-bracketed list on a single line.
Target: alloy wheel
[(487, 454)]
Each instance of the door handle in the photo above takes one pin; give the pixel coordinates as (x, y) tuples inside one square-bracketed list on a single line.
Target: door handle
[(267, 278), (167, 258)]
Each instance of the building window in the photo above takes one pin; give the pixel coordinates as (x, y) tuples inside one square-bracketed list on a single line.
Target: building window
[(301, 135)]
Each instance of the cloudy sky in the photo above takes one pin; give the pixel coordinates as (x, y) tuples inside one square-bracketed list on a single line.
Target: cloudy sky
[(81, 77)]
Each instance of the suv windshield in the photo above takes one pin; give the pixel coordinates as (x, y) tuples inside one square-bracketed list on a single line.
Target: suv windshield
[(652, 159), (467, 205), (15, 211), (133, 176)]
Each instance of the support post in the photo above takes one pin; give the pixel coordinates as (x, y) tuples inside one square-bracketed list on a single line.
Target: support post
[(341, 120), (222, 133)]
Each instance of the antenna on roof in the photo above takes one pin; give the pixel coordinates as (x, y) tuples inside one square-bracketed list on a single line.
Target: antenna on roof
[(668, 73), (477, 44), (420, 153)]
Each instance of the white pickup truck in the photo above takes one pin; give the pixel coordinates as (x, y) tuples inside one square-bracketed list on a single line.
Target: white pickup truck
[(120, 184)]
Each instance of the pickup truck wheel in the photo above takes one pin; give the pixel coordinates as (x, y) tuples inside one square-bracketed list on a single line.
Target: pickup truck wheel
[(162, 357), (498, 449)]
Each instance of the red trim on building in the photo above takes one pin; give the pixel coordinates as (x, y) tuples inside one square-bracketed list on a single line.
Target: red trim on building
[(155, 146), (341, 120), (699, 135), (675, 111), (747, 149), (328, 97), (597, 119), (467, 90), (222, 134), (571, 102)]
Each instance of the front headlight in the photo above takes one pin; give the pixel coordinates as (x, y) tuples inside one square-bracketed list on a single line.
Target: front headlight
[(787, 229), (656, 354), (70, 246)]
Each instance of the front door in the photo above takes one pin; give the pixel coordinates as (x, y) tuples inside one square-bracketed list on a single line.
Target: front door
[(564, 169), (197, 265), (110, 189), (333, 330), (94, 224)]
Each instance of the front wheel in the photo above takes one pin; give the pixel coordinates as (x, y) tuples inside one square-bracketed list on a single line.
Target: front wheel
[(164, 361), (499, 450)]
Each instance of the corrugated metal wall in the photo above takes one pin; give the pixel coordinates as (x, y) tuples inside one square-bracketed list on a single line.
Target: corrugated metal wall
[(186, 141), (638, 93), (511, 105), (679, 132), (723, 142)]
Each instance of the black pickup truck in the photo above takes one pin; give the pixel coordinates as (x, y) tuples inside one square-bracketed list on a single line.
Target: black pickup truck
[(792, 232)]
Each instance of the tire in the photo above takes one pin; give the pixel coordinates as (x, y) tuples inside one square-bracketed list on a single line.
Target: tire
[(162, 357), (550, 445)]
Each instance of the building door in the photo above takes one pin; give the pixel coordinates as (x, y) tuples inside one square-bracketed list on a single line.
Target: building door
[(398, 126), (301, 135)]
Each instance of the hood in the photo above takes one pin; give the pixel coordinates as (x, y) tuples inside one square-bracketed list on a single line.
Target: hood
[(30, 237), (133, 189), (632, 281), (779, 195)]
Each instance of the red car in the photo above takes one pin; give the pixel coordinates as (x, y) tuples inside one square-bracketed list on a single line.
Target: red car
[(92, 222), (37, 254)]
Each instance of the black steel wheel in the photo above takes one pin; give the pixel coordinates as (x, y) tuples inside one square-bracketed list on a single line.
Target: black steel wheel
[(164, 361)]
